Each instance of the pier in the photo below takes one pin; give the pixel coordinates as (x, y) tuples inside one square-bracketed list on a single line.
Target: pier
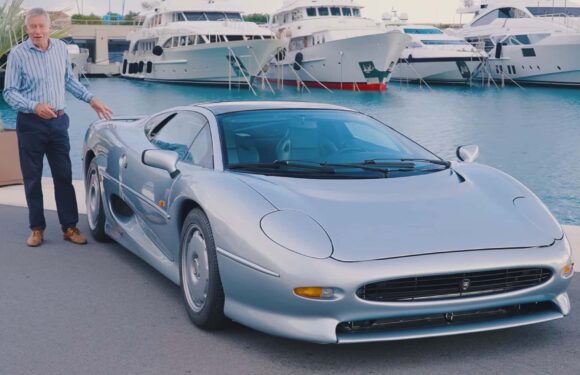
[(97, 39)]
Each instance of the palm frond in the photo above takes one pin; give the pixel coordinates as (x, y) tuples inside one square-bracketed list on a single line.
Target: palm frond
[(11, 25)]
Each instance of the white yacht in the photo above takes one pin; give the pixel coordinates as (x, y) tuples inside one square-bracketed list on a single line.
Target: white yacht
[(433, 56), (328, 43), (531, 42), (206, 43)]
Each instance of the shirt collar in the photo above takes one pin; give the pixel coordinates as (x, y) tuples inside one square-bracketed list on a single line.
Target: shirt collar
[(31, 45)]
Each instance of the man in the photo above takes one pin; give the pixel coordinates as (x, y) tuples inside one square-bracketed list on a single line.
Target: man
[(37, 74)]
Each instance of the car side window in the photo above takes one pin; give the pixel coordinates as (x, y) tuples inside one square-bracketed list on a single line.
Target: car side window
[(178, 133), (156, 123), (202, 149)]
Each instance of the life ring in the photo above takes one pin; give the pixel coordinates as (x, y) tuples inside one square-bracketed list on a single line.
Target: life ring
[(158, 50)]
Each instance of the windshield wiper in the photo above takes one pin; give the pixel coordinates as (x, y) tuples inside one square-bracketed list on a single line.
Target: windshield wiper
[(282, 164), (382, 162), (293, 163), (308, 165)]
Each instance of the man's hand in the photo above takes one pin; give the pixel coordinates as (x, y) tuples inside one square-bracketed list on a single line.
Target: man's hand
[(44, 111), (102, 110)]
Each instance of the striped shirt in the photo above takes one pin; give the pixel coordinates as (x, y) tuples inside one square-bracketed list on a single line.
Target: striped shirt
[(34, 76)]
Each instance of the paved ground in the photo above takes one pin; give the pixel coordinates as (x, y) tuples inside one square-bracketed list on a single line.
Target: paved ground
[(98, 309)]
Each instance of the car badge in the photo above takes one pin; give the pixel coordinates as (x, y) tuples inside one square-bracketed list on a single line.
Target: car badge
[(465, 284)]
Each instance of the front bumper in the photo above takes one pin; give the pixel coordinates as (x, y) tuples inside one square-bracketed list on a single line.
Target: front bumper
[(267, 303)]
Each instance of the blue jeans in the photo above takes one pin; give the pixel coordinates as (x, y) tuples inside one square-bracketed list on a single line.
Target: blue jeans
[(36, 138)]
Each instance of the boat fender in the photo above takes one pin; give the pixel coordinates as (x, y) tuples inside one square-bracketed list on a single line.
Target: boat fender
[(141, 66), (149, 67), (158, 50), (409, 58), (298, 60), (125, 66), (498, 50)]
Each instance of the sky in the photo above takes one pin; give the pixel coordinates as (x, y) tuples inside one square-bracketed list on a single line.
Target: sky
[(429, 11)]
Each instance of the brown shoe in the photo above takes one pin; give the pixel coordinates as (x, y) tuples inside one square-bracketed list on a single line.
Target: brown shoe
[(74, 235), (35, 238)]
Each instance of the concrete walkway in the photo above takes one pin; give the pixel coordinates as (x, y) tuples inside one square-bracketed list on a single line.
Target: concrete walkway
[(14, 196), (99, 310)]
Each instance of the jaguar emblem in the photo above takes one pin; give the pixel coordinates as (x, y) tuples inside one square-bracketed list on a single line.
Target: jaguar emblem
[(465, 284)]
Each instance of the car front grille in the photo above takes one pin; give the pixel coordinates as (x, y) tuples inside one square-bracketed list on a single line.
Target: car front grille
[(454, 286)]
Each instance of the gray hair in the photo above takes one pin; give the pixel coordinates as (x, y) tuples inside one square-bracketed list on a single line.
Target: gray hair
[(34, 12)]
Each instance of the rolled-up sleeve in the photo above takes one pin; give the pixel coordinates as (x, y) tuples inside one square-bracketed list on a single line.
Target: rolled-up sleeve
[(13, 85), (73, 85)]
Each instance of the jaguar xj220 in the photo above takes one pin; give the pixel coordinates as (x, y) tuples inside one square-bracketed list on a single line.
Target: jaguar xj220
[(320, 223)]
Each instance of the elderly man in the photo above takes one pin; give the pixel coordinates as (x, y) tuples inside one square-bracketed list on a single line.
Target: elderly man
[(37, 74)]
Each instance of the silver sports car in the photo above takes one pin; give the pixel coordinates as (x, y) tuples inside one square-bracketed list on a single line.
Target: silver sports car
[(319, 223)]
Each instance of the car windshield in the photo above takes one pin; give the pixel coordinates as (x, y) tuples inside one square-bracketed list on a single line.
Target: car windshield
[(319, 144)]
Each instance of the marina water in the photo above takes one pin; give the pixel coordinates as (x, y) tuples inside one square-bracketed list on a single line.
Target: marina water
[(532, 134)]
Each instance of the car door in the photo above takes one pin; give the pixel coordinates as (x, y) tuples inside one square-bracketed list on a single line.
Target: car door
[(148, 190)]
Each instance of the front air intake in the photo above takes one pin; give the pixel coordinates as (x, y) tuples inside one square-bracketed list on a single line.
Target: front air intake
[(454, 286)]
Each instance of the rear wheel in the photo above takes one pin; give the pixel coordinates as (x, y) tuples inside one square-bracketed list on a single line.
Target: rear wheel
[(95, 213), (200, 280)]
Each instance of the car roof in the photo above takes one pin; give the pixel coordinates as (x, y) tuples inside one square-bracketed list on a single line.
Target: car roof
[(228, 107)]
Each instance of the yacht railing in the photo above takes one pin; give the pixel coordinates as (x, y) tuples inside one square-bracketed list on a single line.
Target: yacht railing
[(421, 80), (299, 82), (563, 19), (261, 69), (312, 76), (234, 57)]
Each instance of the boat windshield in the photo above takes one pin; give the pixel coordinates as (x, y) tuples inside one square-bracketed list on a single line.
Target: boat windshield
[(422, 31), (555, 11), (500, 13), (212, 16), (438, 42), (283, 142)]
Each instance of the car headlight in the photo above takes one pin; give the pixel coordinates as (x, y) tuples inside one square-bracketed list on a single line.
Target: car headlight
[(297, 232), (533, 210), (568, 269)]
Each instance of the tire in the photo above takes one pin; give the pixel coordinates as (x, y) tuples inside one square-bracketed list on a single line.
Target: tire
[(95, 212), (201, 286)]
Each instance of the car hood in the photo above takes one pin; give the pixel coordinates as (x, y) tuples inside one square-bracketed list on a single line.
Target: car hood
[(467, 208)]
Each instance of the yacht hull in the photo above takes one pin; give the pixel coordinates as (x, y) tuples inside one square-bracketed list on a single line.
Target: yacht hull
[(208, 64), (553, 64), (362, 63), (445, 70)]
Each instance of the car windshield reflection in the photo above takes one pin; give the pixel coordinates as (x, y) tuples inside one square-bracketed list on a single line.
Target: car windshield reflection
[(264, 141)]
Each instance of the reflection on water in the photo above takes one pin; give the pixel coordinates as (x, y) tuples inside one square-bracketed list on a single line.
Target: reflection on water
[(532, 134)]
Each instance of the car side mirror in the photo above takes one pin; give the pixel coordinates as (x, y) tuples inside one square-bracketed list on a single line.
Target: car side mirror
[(467, 153), (162, 159)]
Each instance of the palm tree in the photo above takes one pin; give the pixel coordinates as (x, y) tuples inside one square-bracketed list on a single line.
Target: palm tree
[(11, 27)]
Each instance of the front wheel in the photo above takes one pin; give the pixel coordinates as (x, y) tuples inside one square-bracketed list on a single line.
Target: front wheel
[(95, 213), (199, 274)]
